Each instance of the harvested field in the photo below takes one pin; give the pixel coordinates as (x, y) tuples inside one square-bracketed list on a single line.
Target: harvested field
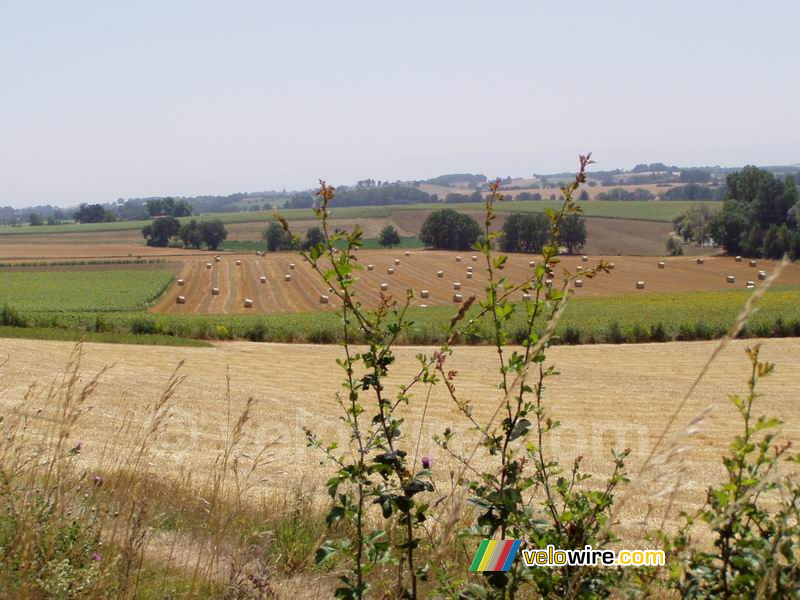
[(54, 250), (634, 390), (418, 271)]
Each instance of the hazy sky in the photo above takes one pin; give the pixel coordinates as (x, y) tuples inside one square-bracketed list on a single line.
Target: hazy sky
[(101, 100)]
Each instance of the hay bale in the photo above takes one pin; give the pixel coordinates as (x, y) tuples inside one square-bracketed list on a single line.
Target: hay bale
[(248, 303), (287, 277), (469, 275), (751, 283), (700, 261), (407, 253), (578, 283), (180, 282), (258, 252), (458, 259), (440, 274), (753, 263), (390, 270), (611, 265), (457, 298), (291, 266), (532, 263), (738, 259), (474, 258), (662, 264), (370, 267), (762, 275), (384, 287), (424, 294), (640, 285), (396, 261), (217, 259), (731, 279), (323, 299), (262, 279), (456, 285), (585, 258), (181, 299), (423, 306), (215, 291), (579, 269), (208, 265), (548, 282), (526, 296), (238, 263), (751, 287)]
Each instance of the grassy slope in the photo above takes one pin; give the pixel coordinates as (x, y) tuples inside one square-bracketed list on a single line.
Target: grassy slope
[(639, 210)]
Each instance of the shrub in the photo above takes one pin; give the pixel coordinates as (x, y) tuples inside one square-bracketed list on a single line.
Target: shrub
[(571, 336), (10, 317), (143, 325), (447, 229)]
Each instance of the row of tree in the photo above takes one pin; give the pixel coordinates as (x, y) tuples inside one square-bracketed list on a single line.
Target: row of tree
[(164, 231)]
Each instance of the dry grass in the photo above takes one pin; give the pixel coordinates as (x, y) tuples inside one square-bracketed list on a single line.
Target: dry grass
[(633, 391)]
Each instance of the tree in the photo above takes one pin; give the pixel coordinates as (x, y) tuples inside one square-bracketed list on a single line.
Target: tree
[(213, 233), (447, 229), (693, 224), (35, 219), (584, 196), (93, 213), (276, 238), (314, 236), (168, 207), (389, 236), (674, 247), (572, 233), (161, 231), (525, 232), (191, 234)]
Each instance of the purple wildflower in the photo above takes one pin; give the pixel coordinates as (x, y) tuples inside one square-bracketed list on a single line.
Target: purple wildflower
[(96, 557), (97, 479), (426, 461)]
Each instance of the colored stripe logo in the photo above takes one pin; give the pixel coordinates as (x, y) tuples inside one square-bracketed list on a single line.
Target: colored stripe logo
[(495, 555)]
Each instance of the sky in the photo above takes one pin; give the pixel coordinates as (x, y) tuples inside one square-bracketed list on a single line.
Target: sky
[(108, 99)]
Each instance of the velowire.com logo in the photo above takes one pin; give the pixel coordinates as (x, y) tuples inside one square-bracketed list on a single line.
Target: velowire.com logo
[(495, 555)]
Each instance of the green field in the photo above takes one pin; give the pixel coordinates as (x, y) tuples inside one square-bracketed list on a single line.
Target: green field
[(370, 243), (639, 210), (632, 318), (82, 291)]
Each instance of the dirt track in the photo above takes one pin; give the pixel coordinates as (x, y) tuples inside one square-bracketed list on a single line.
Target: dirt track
[(418, 271)]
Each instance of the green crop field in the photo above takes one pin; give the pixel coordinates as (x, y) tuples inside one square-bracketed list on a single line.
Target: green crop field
[(82, 290), (631, 318), (369, 243), (637, 210)]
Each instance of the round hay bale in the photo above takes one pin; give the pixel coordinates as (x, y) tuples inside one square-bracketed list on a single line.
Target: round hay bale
[(323, 299), (751, 283), (532, 263), (762, 275), (548, 282), (287, 277), (238, 263), (585, 258), (458, 259), (456, 285), (474, 258), (423, 306), (217, 259), (661, 264), (396, 261), (215, 291), (457, 298), (611, 265), (262, 279), (390, 270), (407, 253), (579, 269), (469, 275), (751, 287), (181, 299), (208, 265), (248, 303), (370, 267), (738, 259), (700, 261), (258, 252), (640, 285), (180, 282), (753, 263), (291, 266), (424, 294), (731, 279), (526, 296), (440, 273), (578, 283), (384, 287)]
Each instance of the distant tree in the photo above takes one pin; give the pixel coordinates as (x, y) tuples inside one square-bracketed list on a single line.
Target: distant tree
[(213, 233), (93, 213), (695, 176), (314, 236), (583, 196), (300, 200), (276, 238), (161, 231), (525, 232), (447, 229), (168, 207), (694, 224), (389, 236), (35, 219), (191, 234), (572, 233), (674, 247)]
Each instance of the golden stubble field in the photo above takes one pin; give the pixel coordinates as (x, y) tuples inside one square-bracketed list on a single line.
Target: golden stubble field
[(605, 396)]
